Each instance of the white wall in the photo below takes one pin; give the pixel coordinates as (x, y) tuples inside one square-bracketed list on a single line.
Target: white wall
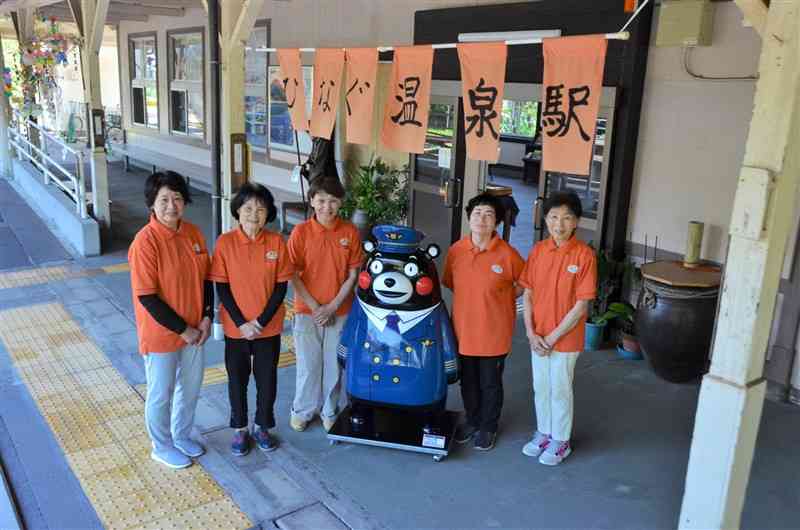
[(692, 137)]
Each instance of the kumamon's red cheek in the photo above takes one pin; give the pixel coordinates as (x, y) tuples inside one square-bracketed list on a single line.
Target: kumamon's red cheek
[(424, 286), (364, 280)]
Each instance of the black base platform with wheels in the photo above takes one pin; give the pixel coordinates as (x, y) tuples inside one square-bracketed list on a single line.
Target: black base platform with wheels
[(397, 429)]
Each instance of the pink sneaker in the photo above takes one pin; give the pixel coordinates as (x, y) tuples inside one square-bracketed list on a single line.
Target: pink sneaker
[(555, 452)]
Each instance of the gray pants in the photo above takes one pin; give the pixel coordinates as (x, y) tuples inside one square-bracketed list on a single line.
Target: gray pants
[(318, 382), (173, 386)]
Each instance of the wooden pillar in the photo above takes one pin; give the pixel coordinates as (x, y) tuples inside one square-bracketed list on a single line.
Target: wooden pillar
[(237, 20), (732, 394), (90, 16), (5, 154)]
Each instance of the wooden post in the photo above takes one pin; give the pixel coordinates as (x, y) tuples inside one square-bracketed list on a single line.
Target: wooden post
[(732, 393), (5, 154), (92, 17), (237, 20)]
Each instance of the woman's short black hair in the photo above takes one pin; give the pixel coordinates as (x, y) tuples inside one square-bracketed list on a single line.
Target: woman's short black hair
[(486, 199), (569, 199), (171, 180), (252, 190), (329, 185)]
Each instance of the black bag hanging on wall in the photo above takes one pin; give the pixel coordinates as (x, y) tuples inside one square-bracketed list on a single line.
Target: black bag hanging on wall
[(322, 160)]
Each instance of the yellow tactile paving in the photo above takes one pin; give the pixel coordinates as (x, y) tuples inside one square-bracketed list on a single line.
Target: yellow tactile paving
[(32, 277), (119, 267), (98, 420)]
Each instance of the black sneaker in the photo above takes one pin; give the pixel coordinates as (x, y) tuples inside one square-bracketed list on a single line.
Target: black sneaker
[(465, 433), (484, 441)]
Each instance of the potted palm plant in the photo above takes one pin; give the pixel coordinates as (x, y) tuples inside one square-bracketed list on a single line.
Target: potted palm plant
[(376, 193)]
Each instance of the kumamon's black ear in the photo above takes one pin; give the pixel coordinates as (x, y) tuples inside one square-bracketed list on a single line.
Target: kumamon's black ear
[(368, 246), (433, 250)]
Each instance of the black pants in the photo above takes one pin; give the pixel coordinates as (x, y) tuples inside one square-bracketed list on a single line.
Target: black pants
[(482, 390), (264, 353)]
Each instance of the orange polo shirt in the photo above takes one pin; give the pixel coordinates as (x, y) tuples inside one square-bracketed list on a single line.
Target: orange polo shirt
[(484, 307), (323, 258), (252, 268), (172, 264), (559, 277)]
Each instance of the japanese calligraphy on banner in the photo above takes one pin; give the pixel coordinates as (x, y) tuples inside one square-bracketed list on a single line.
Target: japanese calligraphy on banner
[(405, 119), (573, 79), (293, 86), (483, 74), (362, 68), (328, 68)]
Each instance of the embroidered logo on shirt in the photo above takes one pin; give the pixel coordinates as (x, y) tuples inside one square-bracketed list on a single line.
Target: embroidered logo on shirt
[(272, 255), (344, 242), (497, 269), (572, 269)]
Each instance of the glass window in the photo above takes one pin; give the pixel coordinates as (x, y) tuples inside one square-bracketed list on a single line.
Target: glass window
[(144, 81), (187, 109), (520, 118), (281, 132), (255, 88)]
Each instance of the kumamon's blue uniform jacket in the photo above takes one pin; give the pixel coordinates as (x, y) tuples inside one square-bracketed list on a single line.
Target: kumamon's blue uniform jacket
[(409, 369)]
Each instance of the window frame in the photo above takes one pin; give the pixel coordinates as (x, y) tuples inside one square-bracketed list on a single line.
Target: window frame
[(259, 154), (183, 85), (144, 84)]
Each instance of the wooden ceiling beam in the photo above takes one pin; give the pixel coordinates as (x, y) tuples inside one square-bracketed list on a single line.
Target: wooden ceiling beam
[(133, 9)]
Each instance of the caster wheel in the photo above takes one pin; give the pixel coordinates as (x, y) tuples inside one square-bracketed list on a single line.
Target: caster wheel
[(438, 458)]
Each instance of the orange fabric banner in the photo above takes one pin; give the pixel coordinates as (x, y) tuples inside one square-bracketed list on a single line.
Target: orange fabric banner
[(573, 81), (328, 67), (293, 86), (362, 68), (483, 77), (405, 119)]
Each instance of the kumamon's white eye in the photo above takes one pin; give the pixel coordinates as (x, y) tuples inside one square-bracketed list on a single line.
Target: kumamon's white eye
[(376, 267), (369, 246), (411, 269)]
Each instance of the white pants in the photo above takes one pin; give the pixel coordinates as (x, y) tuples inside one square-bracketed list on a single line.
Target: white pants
[(552, 387), (173, 386), (319, 379)]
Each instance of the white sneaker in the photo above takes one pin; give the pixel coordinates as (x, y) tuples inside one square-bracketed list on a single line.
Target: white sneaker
[(555, 453), (327, 423), (171, 458), (537, 445), (297, 423)]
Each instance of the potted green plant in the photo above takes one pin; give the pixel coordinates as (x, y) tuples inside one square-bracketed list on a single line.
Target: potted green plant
[(607, 282), (625, 314), (376, 193)]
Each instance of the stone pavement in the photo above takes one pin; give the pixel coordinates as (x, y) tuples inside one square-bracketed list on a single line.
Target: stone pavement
[(632, 435)]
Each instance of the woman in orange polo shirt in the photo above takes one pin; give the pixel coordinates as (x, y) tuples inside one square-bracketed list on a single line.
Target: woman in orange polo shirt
[(560, 279), (173, 305), (326, 253), (251, 267), (482, 270)]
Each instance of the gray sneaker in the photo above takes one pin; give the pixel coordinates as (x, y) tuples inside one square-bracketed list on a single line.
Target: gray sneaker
[(190, 448), (555, 453), (171, 458), (537, 445)]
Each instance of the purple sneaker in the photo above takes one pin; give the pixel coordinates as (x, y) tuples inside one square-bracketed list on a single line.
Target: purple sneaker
[(240, 445), (555, 453), (264, 441)]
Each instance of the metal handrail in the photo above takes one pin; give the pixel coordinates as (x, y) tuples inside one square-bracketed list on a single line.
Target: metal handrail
[(26, 148)]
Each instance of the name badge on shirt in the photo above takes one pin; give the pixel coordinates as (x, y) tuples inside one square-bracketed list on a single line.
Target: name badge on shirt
[(272, 255), (497, 269), (572, 269), (197, 249), (344, 242)]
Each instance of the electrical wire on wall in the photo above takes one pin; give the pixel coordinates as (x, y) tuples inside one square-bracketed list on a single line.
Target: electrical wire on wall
[(687, 50)]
